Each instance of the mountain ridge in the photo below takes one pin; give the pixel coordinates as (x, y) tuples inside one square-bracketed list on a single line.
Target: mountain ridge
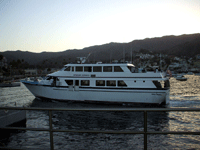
[(182, 45)]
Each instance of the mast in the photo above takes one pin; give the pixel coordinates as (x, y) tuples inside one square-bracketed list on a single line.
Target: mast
[(82, 60)]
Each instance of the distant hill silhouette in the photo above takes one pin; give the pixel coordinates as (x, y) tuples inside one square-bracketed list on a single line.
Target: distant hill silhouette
[(183, 45)]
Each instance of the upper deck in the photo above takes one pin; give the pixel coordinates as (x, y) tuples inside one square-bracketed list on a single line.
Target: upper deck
[(100, 70)]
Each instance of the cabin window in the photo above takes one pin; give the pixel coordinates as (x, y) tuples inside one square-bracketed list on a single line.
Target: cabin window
[(132, 69), (72, 68), (77, 82), (111, 83), (67, 69), (85, 82), (100, 83), (166, 84), (121, 83), (69, 82), (157, 84), (87, 69), (107, 69), (79, 69), (97, 69), (49, 78), (117, 69)]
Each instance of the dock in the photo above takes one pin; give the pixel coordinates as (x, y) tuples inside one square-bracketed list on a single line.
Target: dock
[(14, 84), (9, 117)]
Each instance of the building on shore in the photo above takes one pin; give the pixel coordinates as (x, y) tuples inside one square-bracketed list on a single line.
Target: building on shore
[(31, 72)]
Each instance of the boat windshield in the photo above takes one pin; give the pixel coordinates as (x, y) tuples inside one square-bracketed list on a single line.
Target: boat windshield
[(48, 77), (63, 68), (132, 69), (162, 84), (166, 84)]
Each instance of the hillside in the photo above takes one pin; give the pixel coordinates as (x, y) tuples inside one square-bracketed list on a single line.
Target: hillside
[(184, 45)]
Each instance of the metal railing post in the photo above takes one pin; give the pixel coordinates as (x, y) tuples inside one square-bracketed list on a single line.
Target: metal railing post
[(145, 130), (50, 130)]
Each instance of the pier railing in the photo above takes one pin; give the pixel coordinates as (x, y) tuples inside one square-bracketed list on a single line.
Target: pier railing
[(144, 132)]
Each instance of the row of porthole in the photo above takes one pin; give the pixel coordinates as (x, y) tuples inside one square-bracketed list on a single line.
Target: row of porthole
[(99, 82)]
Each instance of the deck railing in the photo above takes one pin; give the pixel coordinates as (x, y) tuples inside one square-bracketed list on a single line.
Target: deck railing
[(144, 132)]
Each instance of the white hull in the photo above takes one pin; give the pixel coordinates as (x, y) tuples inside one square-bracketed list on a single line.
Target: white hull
[(101, 95)]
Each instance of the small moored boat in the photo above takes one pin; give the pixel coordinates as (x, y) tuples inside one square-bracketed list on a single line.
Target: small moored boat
[(181, 78)]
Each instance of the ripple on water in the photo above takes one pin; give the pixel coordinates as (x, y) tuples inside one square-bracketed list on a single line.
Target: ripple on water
[(182, 94)]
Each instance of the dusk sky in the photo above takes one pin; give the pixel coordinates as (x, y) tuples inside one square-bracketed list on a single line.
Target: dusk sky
[(58, 25)]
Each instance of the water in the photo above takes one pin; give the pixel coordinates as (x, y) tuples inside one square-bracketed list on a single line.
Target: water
[(183, 94)]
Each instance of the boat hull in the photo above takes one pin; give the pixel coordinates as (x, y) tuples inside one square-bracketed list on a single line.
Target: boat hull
[(122, 95)]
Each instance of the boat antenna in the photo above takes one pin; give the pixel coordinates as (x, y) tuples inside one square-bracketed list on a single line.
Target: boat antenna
[(88, 56), (82, 60)]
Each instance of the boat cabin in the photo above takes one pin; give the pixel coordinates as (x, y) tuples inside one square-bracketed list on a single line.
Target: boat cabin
[(107, 76)]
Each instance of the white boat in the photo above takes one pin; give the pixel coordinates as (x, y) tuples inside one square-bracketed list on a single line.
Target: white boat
[(181, 78), (102, 83)]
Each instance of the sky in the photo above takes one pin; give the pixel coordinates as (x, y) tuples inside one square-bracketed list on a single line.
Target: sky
[(58, 25)]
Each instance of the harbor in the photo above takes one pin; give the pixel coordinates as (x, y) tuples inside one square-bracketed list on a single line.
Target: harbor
[(182, 95), (100, 75)]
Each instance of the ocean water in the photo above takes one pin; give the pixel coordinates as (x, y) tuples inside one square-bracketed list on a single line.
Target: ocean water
[(183, 94)]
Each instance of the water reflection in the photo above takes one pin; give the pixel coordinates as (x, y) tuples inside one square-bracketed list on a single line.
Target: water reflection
[(84, 120)]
